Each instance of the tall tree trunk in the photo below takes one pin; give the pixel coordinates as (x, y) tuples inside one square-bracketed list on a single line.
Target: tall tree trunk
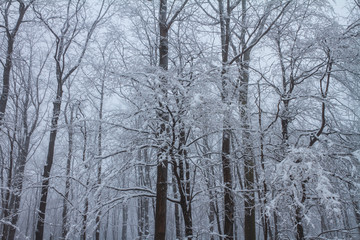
[(226, 135), (162, 165), (163, 117), (249, 162), (49, 162)]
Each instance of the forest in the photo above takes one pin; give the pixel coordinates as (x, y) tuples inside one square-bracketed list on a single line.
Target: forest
[(180, 119)]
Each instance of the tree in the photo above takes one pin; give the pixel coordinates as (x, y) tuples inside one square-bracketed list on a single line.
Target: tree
[(10, 33), (162, 167), (65, 38), (28, 97)]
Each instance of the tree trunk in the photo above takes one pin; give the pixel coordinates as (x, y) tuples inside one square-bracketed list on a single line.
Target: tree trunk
[(162, 165), (249, 161), (6, 78), (49, 162), (226, 135)]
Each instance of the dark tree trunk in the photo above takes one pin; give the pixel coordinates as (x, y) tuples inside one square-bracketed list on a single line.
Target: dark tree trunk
[(162, 167), (229, 203), (161, 200), (6, 79), (49, 162), (249, 162)]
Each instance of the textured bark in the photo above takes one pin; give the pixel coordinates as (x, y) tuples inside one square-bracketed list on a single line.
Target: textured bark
[(249, 161), (162, 167), (227, 178), (161, 193)]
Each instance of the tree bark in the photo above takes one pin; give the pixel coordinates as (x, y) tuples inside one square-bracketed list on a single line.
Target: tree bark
[(249, 161), (49, 162), (226, 134), (162, 165)]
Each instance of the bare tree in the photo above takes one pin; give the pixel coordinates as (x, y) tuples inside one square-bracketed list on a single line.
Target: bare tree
[(10, 33), (65, 39), (162, 168), (28, 99)]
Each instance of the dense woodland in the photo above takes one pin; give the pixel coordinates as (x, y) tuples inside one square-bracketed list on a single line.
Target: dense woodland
[(180, 119)]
